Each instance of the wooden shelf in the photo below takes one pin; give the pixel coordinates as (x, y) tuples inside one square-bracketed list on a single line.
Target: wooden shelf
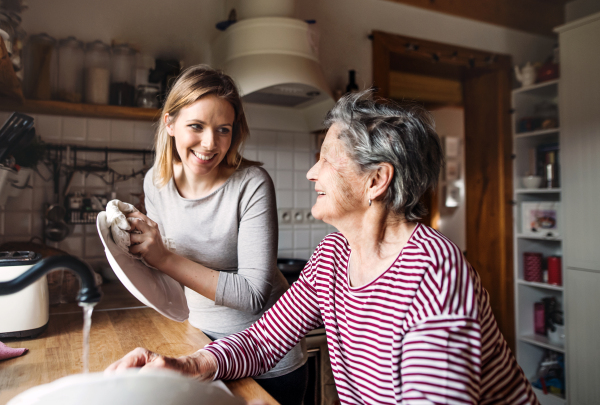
[(81, 110), (541, 285), (541, 341), (537, 133), (537, 190)]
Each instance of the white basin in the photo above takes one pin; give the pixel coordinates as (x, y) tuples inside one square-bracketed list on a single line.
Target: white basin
[(160, 387)]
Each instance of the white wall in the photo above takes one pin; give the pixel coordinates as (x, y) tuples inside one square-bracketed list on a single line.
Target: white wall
[(346, 24), (287, 154), (450, 122), (184, 29), (577, 9), (181, 29)]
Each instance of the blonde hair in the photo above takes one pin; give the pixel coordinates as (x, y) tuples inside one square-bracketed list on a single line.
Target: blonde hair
[(192, 84)]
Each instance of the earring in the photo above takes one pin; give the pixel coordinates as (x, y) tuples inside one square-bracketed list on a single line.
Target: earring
[(369, 202)]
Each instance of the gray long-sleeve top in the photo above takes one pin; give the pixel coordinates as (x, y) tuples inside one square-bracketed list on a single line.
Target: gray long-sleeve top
[(234, 231)]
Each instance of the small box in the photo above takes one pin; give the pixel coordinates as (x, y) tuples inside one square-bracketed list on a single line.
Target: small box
[(541, 219), (539, 318)]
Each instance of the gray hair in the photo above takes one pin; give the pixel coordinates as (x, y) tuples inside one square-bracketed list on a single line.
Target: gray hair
[(382, 131)]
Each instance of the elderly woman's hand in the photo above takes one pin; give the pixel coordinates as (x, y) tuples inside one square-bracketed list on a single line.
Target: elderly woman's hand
[(202, 364), (146, 240)]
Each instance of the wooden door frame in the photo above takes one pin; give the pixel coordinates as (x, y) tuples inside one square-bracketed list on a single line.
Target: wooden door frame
[(417, 56)]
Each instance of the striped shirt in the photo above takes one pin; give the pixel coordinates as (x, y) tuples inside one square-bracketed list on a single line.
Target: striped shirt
[(423, 332)]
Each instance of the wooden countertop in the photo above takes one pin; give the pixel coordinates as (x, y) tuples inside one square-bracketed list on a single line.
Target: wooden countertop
[(115, 332)]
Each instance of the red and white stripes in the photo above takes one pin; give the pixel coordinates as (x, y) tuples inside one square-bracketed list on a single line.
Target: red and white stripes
[(421, 333)]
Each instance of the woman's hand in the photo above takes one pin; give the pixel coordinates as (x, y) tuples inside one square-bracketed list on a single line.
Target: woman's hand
[(201, 365), (147, 244)]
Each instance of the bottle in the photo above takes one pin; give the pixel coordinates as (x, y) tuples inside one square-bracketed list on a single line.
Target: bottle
[(352, 87)]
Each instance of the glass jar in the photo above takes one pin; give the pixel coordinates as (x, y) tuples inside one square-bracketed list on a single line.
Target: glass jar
[(147, 96), (40, 67), (122, 75), (17, 44), (97, 73), (70, 70), (7, 25)]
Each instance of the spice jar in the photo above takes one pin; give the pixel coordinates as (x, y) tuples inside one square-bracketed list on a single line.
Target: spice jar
[(70, 70), (40, 67), (97, 73), (122, 75), (147, 96)]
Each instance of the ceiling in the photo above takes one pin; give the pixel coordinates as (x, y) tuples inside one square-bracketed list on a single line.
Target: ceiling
[(534, 16)]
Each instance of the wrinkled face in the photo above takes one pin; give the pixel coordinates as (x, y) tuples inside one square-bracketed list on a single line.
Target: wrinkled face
[(203, 133), (340, 187)]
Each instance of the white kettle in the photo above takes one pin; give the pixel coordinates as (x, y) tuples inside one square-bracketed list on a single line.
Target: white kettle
[(24, 314), (526, 75)]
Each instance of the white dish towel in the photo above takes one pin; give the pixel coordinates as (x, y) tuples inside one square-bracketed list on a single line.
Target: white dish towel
[(120, 226)]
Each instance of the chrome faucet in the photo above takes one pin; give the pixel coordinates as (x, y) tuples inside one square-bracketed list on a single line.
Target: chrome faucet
[(88, 291)]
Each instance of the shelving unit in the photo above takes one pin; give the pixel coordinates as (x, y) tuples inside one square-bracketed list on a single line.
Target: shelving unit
[(52, 107), (531, 348)]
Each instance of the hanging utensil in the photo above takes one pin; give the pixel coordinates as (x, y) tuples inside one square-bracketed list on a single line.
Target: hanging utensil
[(56, 228), (16, 133)]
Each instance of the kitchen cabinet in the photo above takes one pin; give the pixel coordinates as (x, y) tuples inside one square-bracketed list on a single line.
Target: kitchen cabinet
[(531, 348), (580, 148)]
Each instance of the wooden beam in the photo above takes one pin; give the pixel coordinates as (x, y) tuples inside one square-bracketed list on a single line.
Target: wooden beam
[(534, 16), (486, 83), (429, 89), (488, 148)]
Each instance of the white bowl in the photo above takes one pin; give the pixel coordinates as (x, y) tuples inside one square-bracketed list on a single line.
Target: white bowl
[(130, 387), (531, 181)]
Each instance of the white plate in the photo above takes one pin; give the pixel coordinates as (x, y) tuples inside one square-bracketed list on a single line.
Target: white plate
[(130, 387), (154, 288)]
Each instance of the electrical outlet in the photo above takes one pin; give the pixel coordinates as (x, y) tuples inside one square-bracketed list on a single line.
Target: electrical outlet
[(297, 216), (308, 216), (284, 215)]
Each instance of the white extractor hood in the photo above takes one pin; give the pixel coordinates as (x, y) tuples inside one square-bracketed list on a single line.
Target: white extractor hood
[(274, 61)]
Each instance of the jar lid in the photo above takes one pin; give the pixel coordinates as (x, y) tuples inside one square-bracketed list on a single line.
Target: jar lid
[(43, 37), (97, 44), (71, 41), (149, 88), (122, 49)]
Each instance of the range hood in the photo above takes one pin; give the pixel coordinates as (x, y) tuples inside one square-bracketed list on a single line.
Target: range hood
[(274, 62)]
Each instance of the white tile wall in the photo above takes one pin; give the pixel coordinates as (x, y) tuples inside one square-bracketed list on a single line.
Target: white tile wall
[(286, 156)]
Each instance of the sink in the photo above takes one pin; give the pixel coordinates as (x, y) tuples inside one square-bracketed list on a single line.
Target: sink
[(131, 387)]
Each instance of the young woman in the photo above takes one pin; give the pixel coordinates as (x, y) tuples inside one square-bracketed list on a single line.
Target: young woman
[(220, 211)]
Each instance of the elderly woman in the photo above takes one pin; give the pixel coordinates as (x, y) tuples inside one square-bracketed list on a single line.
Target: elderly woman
[(406, 316)]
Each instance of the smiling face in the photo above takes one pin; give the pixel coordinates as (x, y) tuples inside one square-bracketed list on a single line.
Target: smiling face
[(203, 132), (340, 187)]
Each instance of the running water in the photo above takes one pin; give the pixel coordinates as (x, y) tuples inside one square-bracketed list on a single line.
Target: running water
[(88, 308)]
